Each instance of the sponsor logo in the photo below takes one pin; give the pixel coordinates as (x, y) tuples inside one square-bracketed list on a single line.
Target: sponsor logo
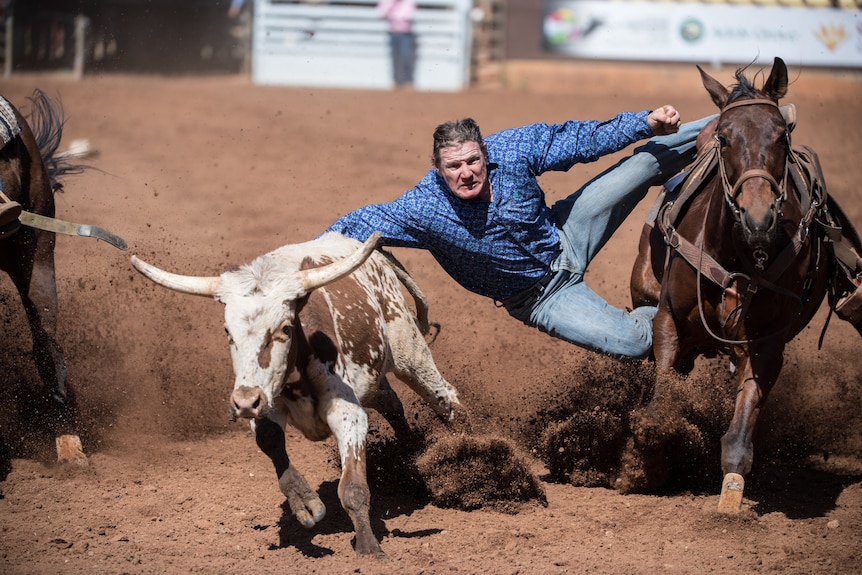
[(565, 25), (831, 35), (691, 30)]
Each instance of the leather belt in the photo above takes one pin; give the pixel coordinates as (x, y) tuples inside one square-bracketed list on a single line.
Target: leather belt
[(533, 292)]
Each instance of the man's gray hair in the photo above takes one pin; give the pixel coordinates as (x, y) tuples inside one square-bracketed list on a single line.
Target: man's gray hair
[(454, 133)]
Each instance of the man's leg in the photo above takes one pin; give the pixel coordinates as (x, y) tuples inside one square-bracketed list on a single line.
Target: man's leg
[(571, 311), (590, 216)]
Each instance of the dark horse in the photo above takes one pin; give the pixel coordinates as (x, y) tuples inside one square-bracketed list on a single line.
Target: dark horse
[(738, 259), (29, 173)]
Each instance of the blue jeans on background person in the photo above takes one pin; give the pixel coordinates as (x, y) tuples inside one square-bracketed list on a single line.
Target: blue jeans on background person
[(403, 47), (564, 306)]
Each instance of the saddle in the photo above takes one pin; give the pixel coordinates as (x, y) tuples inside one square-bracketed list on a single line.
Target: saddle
[(824, 218), (9, 125)]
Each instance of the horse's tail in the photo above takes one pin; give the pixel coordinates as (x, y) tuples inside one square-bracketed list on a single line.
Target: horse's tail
[(46, 120)]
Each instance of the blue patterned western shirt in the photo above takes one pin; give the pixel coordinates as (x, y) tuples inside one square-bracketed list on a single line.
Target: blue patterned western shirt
[(499, 248)]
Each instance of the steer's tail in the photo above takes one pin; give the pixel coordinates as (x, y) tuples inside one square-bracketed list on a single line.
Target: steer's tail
[(418, 297)]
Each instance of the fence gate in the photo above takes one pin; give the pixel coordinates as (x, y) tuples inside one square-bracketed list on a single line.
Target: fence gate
[(344, 44)]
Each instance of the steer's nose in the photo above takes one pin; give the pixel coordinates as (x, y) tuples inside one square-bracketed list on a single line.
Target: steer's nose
[(247, 402)]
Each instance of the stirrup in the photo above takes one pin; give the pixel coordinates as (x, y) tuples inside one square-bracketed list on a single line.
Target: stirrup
[(849, 307), (9, 213)]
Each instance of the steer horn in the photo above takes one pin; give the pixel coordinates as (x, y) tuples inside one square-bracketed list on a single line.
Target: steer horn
[(314, 278), (186, 284), (310, 279)]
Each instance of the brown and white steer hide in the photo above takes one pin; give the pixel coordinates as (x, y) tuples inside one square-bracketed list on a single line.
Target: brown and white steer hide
[(313, 329)]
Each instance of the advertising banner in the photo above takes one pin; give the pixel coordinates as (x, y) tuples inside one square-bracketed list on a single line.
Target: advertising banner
[(696, 32)]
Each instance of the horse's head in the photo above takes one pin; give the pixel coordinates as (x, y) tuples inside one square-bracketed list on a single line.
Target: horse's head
[(753, 141)]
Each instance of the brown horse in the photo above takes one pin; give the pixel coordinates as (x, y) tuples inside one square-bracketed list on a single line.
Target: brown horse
[(29, 174), (737, 261)]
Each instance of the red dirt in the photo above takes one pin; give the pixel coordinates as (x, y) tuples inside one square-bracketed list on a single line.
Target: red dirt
[(200, 173)]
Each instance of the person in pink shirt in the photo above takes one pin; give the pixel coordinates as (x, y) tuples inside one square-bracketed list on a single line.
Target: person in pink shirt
[(402, 41)]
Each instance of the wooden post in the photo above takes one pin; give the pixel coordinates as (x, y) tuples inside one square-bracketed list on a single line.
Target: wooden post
[(7, 45), (81, 25)]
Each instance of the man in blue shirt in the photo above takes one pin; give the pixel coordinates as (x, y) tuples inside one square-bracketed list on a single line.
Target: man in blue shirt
[(482, 215)]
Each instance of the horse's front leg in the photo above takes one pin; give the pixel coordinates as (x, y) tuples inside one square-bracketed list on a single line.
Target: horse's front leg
[(303, 501), (644, 464), (755, 380)]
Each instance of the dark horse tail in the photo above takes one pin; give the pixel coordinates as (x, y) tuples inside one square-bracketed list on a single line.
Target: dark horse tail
[(46, 120)]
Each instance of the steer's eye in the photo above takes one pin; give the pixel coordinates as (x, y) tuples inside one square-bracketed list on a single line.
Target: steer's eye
[(227, 333), (286, 329)]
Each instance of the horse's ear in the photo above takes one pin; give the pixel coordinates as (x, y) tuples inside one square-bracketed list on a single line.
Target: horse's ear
[(715, 88), (776, 85)]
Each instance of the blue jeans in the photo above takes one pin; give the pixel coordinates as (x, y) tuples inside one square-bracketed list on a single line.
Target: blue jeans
[(563, 305), (403, 46)]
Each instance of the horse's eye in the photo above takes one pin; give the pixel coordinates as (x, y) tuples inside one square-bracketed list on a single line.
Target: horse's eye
[(286, 329), (722, 140)]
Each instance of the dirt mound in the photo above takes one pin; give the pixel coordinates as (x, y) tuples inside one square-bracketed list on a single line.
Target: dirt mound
[(475, 472)]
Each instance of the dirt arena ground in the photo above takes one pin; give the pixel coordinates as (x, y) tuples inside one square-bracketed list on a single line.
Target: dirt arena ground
[(200, 173)]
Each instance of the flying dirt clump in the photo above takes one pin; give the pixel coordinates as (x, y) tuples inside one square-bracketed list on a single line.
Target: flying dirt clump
[(584, 436), (472, 472)]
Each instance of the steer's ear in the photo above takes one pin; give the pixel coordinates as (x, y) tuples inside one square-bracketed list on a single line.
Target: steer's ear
[(300, 303), (307, 263)]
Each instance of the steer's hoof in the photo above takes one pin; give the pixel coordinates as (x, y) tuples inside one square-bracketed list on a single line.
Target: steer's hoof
[(731, 493), (368, 546), (459, 420), (70, 450)]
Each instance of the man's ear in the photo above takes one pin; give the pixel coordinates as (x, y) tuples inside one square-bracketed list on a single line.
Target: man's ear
[(435, 167)]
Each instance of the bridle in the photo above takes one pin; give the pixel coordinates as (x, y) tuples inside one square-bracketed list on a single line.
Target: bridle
[(812, 197), (732, 191)]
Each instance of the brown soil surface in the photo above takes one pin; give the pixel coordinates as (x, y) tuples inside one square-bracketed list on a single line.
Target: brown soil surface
[(198, 173)]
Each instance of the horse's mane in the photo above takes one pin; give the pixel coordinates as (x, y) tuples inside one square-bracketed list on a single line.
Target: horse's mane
[(743, 89)]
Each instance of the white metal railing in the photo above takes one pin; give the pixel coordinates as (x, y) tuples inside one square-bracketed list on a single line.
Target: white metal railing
[(345, 44)]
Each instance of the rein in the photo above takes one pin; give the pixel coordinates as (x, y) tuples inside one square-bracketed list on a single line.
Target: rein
[(806, 178)]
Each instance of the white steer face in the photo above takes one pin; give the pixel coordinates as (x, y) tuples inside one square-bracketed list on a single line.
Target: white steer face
[(260, 335)]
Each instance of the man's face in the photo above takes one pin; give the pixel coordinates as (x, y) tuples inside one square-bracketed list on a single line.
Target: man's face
[(464, 168)]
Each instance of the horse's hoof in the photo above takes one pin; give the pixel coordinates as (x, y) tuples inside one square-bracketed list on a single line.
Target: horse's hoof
[(731, 493), (70, 450)]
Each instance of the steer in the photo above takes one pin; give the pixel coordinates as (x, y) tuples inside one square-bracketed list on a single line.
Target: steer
[(313, 329)]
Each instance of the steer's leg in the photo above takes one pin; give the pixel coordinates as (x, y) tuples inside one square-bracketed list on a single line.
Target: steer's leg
[(349, 424), (303, 501), (389, 405), (414, 365), (355, 496)]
